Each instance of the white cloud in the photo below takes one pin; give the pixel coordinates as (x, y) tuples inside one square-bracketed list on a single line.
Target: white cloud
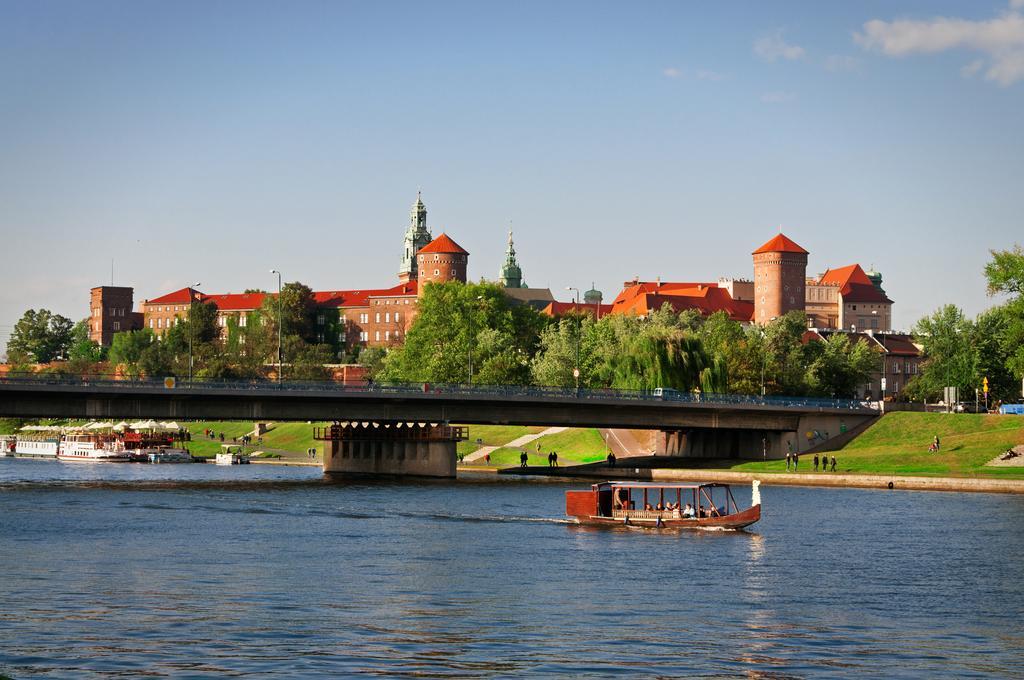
[(704, 74), (971, 70), (838, 63), (699, 74), (777, 97), (1001, 40), (772, 46)]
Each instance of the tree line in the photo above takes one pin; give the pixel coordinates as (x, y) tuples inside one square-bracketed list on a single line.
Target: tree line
[(475, 333)]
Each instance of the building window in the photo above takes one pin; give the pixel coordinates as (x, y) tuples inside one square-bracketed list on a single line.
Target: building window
[(387, 317), (397, 333), (377, 318), (364, 336), (376, 336), (113, 312), (453, 273), (320, 319), (150, 323), (342, 317), (117, 326), (159, 323), (406, 302), (364, 318), (222, 321), (437, 272), (398, 316), (387, 335), (242, 320)]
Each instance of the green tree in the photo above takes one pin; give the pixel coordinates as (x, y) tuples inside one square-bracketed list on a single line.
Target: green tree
[(1005, 275), (949, 357), (41, 337), (127, 349), (82, 347), (839, 367), (453, 327), (297, 312), (660, 358)]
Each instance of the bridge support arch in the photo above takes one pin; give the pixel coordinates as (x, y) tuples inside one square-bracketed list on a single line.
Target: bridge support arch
[(390, 448)]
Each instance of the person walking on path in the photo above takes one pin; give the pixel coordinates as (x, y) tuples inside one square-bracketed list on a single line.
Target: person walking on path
[(523, 459), (936, 442), (554, 458), (796, 461), (551, 462), (833, 463), (487, 459), (815, 462), (789, 457)]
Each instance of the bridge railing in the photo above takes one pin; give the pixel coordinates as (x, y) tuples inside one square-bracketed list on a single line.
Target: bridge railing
[(446, 389)]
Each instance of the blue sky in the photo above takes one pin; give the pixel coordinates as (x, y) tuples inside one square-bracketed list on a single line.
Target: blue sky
[(214, 141)]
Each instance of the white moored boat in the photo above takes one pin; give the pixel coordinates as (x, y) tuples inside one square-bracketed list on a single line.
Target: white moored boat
[(92, 447), (37, 446)]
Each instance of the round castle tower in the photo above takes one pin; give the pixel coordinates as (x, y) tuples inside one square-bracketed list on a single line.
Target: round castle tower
[(440, 261)]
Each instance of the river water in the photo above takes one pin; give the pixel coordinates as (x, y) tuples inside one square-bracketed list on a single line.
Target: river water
[(115, 570)]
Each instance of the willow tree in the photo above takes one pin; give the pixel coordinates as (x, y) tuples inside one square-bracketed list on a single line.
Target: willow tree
[(672, 359)]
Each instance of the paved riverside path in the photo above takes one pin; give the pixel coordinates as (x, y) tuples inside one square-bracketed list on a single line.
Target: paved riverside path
[(832, 479), (514, 444)]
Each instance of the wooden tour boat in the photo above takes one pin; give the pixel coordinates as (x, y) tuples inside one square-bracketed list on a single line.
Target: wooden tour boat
[(658, 505)]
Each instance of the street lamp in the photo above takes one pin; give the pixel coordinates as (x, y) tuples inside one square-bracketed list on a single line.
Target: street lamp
[(191, 327), (576, 309), (472, 340), (280, 356)]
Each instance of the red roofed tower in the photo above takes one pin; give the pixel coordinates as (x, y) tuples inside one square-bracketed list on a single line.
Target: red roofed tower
[(780, 271), (441, 260)]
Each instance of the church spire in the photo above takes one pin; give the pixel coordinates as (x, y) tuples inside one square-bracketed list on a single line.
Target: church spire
[(511, 275), (416, 236)]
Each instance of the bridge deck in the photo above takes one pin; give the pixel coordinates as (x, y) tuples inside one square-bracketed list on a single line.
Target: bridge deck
[(83, 398)]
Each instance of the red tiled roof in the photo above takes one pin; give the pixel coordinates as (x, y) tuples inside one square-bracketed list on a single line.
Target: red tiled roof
[(242, 302), (780, 244), (898, 344), (236, 302), (854, 284), (707, 298), (443, 244), (556, 308), (178, 297)]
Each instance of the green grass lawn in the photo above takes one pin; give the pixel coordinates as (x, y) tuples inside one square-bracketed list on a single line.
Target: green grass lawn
[(202, 447), (574, 446), (494, 435), (898, 444)]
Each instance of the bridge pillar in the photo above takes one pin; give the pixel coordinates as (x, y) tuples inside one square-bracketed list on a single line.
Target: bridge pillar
[(389, 448)]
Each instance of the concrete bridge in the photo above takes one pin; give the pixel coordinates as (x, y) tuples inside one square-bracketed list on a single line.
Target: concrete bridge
[(690, 425)]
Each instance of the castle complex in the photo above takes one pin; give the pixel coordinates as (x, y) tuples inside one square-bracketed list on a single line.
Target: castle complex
[(846, 299), (344, 318)]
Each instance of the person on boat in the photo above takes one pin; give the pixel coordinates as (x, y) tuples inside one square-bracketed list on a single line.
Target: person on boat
[(659, 507), (647, 506), (688, 512), (617, 502)]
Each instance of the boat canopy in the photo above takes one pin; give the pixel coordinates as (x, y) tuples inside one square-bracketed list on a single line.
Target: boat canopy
[(658, 485)]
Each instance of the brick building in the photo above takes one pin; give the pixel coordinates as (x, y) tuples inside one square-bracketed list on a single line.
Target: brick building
[(848, 297), (110, 311), (780, 272)]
